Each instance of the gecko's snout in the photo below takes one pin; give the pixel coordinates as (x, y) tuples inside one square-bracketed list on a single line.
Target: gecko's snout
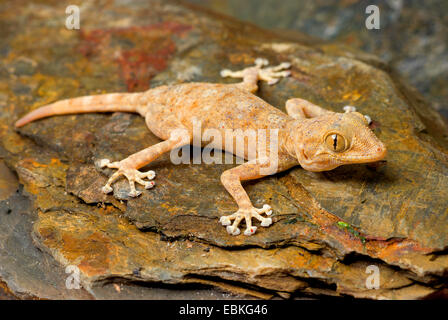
[(375, 153)]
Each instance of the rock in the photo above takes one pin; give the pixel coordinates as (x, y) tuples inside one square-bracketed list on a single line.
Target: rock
[(328, 228), (102, 244), (27, 272), (8, 182)]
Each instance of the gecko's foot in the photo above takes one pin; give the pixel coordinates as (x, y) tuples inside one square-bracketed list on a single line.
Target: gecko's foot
[(132, 174), (270, 74), (246, 214)]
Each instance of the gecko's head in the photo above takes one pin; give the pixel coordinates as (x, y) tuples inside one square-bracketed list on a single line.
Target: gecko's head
[(326, 142)]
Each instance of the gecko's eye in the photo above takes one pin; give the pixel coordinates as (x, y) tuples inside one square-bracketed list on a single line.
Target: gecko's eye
[(335, 142)]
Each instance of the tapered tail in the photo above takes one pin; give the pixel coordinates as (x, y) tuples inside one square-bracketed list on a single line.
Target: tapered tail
[(112, 102)]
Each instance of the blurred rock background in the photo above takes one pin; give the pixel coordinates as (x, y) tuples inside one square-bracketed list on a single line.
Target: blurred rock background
[(413, 34)]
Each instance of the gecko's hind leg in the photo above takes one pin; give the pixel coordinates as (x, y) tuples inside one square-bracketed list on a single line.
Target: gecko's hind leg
[(129, 166), (133, 175), (251, 75)]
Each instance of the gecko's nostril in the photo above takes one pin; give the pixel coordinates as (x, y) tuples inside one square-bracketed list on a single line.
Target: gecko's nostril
[(382, 151)]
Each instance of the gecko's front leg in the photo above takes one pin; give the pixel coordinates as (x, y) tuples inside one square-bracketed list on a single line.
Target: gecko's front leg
[(129, 166), (231, 179)]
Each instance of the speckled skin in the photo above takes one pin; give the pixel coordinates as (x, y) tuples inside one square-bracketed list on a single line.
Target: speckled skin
[(308, 135)]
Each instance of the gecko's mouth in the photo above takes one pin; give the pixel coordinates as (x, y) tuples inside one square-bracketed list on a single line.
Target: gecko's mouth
[(329, 161), (373, 157)]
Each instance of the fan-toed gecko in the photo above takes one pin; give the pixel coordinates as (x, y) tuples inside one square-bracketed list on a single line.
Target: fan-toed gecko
[(308, 135)]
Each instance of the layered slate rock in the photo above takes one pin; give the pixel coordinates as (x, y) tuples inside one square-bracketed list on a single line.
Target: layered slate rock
[(328, 227)]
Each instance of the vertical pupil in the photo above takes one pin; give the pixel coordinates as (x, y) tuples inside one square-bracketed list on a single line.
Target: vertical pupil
[(335, 141)]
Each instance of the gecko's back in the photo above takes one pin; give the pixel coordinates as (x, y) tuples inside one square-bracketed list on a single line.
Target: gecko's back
[(217, 106)]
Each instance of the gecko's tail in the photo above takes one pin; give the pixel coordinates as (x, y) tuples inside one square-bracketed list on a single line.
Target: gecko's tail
[(113, 102)]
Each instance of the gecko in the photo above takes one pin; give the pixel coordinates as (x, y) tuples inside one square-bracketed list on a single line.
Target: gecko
[(308, 135)]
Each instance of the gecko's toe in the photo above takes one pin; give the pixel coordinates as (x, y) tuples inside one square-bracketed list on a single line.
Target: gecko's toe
[(250, 231), (261, 62), (225, 73), (149, 185), (285, 65), (369, 120), (134, 193), (103, 162), (225, 221), (266, 209), (107, 189), (348, 109), (234, 231), (266, 222), (148, 174)]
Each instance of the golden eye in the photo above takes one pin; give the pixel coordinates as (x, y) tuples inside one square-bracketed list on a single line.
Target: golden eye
[(335, 142)]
